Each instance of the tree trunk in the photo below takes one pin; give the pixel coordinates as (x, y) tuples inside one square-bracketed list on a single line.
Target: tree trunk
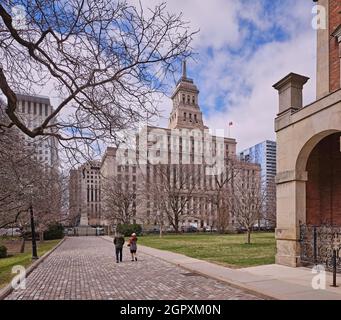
[(22, 246), (161, 231), (248, 236), (176, 224), (41, 236)]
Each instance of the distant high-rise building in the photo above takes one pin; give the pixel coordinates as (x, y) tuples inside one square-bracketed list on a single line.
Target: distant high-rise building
[(85, 194), (33, 110), (264, 154)]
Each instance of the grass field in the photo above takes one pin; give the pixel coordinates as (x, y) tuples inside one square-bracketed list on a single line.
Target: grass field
[(229, 250), (23, 259)]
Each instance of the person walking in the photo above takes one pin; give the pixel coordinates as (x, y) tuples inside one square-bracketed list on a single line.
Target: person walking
[(119, 242), (133, 246)]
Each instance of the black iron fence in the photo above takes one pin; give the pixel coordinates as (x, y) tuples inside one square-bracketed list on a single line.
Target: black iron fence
[(320, 245)]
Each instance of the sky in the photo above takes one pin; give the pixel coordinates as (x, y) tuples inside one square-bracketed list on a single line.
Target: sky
[(242, 49)]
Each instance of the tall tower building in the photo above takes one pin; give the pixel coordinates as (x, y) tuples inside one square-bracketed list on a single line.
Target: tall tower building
[(186, 112), (329, 48), (33, 110)]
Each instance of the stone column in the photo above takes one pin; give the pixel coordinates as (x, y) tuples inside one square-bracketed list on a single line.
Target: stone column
[(290, 92), (291, 212), (323, 39), (291, 198)]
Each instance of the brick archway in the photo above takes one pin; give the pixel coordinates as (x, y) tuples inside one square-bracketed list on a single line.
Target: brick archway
[(323, 187)]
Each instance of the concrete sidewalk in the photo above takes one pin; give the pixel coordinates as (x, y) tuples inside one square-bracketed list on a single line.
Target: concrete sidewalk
[(271, 281)]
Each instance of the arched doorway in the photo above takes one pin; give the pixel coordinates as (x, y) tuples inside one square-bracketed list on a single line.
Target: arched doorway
[(323, 188)]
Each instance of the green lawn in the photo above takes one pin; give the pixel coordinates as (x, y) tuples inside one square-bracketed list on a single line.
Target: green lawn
[(23, 259), (229, 250)]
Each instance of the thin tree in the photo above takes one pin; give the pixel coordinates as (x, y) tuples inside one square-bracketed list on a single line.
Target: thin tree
[(247, 200), (223, 186), (119, 201), (171, 190)]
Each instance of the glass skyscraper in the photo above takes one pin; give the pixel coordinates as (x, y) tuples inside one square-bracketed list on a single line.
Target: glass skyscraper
[(264, 154)]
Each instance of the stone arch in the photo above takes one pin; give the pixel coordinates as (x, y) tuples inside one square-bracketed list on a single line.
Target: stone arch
[(320, 162), (305, 152)]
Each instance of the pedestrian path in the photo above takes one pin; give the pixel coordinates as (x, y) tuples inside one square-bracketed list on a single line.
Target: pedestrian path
[(84, 268), (278, 282)]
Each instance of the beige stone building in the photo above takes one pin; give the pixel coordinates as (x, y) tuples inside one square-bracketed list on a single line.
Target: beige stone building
[(185, 145), (33, 110), (85, 194), (308, 140)]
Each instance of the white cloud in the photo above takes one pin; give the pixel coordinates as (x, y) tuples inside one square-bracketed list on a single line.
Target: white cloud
[(244, 80)]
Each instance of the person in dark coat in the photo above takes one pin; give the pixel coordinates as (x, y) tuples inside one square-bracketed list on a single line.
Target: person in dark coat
[(119, 242)]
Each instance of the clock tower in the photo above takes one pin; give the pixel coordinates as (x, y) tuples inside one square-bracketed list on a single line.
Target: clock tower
[(186, 113)]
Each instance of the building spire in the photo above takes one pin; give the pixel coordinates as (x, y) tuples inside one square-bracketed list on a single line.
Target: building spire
[(184, 69)]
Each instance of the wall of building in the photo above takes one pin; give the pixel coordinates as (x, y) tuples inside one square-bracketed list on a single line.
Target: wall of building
[(324, 182), (334, 57)]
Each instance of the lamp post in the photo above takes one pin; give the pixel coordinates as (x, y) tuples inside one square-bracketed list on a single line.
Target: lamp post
[(33, 232)]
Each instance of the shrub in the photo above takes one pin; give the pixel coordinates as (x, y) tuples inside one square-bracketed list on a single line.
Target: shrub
[(3, 252), (128, 229), (54, 231)]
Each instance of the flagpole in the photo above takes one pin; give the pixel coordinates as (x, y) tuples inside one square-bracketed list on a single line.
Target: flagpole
[(230, 125)]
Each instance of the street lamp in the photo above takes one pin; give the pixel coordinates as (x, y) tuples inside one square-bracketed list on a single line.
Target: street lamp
[(34, 243)]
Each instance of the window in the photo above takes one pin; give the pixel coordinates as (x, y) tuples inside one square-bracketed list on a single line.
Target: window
[(193, 100), (29, 108), (23, 107), (188, 99), (183, 98), (185, 116), (46, 110), (195, 118), (190, 117), (34, 108), (40, 109)]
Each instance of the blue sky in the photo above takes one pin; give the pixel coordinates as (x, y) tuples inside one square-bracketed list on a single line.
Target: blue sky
[(243, 48)]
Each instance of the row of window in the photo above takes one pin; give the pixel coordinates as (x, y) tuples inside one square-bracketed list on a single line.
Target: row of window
[(126, 169), (188, 99), (35, 108), (190, 117)]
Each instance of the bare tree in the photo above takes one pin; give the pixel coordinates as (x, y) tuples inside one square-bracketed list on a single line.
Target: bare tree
[(25, 181), (104, 60), (223, 186), (247, 200), (270, 203), (119, 200), (171, 189)]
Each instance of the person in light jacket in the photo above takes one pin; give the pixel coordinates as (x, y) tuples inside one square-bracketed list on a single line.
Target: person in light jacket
[(133, 246)]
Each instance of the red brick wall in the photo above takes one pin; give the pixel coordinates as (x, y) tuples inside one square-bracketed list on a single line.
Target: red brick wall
[(334, 66), (324, 182)]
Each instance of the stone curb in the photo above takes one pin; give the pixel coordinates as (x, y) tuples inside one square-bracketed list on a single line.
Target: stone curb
[(232, 283), (8, 289)]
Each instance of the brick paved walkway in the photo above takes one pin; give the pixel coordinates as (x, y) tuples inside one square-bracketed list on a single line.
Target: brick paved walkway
[(84, 268)]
